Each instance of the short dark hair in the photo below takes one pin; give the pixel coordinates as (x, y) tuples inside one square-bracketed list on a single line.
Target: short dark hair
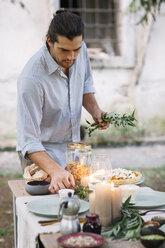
[(65, 23)]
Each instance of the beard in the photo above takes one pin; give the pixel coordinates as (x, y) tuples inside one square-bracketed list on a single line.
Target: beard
[(66, 63)]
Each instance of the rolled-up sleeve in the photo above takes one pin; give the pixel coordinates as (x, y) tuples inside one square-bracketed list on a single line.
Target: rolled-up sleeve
[(88, 83), (29, 115)]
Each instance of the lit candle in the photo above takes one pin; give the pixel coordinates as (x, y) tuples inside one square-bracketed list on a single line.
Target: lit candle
[(103, 203), (84, 181), (116, 201), (92, 203)]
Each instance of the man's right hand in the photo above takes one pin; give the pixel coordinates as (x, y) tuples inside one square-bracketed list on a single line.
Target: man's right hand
[(60, 179)]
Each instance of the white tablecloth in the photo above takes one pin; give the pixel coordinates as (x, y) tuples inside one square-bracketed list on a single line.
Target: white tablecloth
[(28, 227)]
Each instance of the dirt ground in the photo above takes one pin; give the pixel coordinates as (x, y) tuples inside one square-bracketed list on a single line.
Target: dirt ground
[(6, 215), (154, 178)]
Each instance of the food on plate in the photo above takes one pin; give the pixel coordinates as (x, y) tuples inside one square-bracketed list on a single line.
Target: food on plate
[(152, 241), (151, 223), (78, 171), (151, 236), (119, 176), (159, 219), (35, 173), (151, 230), (123, 176), (81, 240), (129, 190)]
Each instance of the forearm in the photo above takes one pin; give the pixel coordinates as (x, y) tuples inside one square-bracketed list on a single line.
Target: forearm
[(44, 162), (60, 178), (90, 104)]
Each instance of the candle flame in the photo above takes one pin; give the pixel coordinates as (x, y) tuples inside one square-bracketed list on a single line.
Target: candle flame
[(112, 185)]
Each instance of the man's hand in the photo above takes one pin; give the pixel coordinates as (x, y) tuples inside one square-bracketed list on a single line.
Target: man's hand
[(97, 118), (90, 104), (60, 179)]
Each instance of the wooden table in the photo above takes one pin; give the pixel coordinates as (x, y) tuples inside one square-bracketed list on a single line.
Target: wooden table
[(17, 187), (49, 240)]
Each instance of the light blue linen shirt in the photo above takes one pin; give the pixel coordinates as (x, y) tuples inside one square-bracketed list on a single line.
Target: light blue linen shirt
[(49, 104)]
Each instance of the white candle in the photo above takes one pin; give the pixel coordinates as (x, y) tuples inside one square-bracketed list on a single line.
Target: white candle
[(116, 202), (103, 203), (84, 181), (129, 190), (92, 203)]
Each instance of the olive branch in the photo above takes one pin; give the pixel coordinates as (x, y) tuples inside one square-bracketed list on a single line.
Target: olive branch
[(112, 119), (128, 226)]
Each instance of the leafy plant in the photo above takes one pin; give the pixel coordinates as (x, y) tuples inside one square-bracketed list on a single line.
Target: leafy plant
[(113, 119), (149, 7), (128, 226), (82, 192), (4, 231)]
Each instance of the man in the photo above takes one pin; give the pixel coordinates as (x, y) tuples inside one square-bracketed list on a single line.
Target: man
[(52, 88)]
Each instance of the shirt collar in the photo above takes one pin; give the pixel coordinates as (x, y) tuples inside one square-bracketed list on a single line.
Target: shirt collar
[(51, 63)]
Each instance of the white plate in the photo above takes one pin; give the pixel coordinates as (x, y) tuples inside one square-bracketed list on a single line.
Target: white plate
[(140, 181), (49, 206), (150, 199)]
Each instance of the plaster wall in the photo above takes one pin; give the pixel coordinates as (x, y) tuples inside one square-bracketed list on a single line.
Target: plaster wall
[(23, 33), (149, 91), (111, 87)]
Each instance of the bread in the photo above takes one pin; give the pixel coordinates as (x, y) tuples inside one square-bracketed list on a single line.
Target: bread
[(35, 173)]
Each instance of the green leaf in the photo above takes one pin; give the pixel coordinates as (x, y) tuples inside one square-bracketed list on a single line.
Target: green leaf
[(113, 119), (127, 227), (88, 122)]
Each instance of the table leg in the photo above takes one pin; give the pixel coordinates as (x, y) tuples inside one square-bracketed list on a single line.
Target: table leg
[(15, 221)]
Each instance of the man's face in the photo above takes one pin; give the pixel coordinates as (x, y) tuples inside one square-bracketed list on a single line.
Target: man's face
[(65, 51)]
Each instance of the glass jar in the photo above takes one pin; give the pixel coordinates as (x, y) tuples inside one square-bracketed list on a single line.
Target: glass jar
[(78, 159), (92, 224)]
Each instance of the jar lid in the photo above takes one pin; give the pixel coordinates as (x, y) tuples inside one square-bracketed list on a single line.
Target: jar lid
[(80, 146), (92, 216)]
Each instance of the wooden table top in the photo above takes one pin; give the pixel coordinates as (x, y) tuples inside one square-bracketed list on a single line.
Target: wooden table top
[(18, 187), (50, 241)]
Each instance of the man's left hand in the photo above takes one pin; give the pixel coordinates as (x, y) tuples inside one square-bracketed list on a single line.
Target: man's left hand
[(97, 117)]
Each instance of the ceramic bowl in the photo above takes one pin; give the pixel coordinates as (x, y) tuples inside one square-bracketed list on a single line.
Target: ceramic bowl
[(65, 241), (37, 187)]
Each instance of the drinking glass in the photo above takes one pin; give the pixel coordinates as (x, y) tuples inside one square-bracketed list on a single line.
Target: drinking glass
[(100, 171)]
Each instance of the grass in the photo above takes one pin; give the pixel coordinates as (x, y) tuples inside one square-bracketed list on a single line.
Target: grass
[(10, 175), (5, 232), (154, 178)]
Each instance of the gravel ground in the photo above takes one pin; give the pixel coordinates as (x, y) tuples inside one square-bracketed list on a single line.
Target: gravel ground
[(126, 157)]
